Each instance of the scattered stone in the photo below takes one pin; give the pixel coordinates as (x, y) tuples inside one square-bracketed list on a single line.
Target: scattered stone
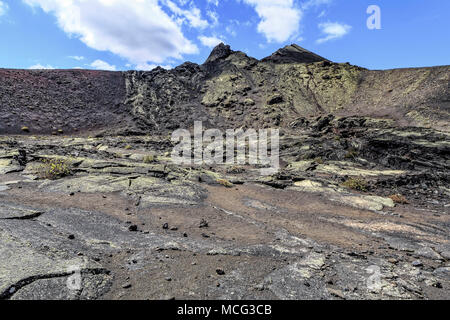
[(220, 272), (417, 263), (133, 228), (127, 285), (203, 224), (71, 237), (442, 271), (446, 254), (165, 226), (392, 260), (336, 293), (427, 252), (260, 287), (275, 99)]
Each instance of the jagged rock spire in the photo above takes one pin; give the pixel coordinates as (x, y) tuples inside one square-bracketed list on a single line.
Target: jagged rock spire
[(221, 51)]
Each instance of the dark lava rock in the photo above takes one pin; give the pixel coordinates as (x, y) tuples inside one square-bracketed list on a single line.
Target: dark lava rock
[(220, 272), (21, 158), (127, 286), (323, 122), (203, 224), (417, 263), (221, 51), (275, 99)]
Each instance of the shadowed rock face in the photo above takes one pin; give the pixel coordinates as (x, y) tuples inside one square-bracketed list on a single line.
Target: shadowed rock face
[(229, 90)]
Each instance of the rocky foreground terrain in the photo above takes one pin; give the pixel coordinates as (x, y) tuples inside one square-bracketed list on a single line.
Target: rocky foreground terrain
[(360, 208)]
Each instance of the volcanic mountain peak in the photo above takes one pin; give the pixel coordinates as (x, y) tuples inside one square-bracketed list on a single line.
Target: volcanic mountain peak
[(289, 54), (221, 51), (293, 54)]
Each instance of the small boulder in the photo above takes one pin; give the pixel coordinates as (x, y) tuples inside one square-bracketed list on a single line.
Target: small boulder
[(220, 272), (275, 99)]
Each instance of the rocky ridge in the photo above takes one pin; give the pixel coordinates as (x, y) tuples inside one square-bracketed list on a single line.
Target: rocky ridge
[(229, 90), (358, 210)]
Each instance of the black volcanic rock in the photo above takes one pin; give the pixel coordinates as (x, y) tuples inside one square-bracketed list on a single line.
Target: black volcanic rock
[(221, 51), (293, 54)]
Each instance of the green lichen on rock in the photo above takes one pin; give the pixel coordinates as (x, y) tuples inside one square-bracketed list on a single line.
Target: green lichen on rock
[(53, 169), (357, 184)]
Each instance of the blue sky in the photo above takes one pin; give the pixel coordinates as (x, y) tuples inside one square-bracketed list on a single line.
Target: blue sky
[(141, 34)]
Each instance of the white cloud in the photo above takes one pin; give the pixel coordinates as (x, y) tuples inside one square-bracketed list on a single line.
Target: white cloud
[(314, 3), (193, 15), (214, 2), (3, 8), (231, 31), (280, 19), (102, 65), (40, 67), (139, 30), (333, 30), (213, 16), (78, 58), (210, 42)]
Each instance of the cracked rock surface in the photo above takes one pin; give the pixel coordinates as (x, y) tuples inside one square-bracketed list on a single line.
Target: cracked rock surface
[(135, 229)]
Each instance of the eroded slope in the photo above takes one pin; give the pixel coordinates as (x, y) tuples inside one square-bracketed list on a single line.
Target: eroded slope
[(229, 90)]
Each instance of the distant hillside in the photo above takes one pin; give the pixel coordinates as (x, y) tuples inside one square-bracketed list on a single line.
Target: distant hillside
[(229, 90)]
